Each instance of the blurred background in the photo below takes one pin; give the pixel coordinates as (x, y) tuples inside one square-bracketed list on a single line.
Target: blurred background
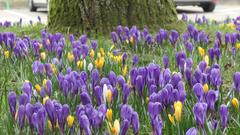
[(14, 10), (19, 4)]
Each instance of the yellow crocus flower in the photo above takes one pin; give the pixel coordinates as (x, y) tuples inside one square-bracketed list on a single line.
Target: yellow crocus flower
[(201, 51), (238, 45), (92, 53), (231, 25), (171, 119), (205, 88), (109, 96), (54, 69), (116, 127), (70, 56), (6, 54), (70, 121), (38, 88), (235, 103), (45, 99), (99, 63), (178, 110), (109, 114), (125, 69), (44, 83), (102, 52), (206, 59), (80, 64), (49, 124), (43, 55)]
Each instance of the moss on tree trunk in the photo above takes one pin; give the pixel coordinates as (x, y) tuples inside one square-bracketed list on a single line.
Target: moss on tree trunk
[(102, 16)]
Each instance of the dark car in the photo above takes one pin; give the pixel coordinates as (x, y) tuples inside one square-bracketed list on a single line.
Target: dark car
[(35, 4), (207, 5)]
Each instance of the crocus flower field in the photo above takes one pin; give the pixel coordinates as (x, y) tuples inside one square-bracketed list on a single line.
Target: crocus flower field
[(132, 82)]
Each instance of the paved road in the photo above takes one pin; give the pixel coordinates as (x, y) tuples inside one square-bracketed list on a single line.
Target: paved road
[(220, 13)]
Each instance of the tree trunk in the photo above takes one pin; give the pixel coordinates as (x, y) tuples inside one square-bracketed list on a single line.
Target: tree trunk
[(102, 16)]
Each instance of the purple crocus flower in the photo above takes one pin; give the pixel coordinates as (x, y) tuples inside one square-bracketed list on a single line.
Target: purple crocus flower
[(211, 53), (224, 114), (29, 113), (200, 111), (95, 77), (234, 39), (188, 76), (135, 123), (84, 124), (49, 106), (219, 36), (23, 99), (62, 114), (112, 78), (121, 81), (140, 85), (12, 103), (198, 90), (83, 39), (202, 66), (97, 92), (94, 45), (21, 116), (215, 77), (211, 98), (236, 81), (165, 61), (192, 131), (114, 37), (227, 38), (124, 127), (135, 60), (49, 87), (189, 46), (157, 126), (85, 98), (154, 109), (133, 76), (124, 57), (173, 37), (126, 112), (125, 93), (180, 59), (38, 119), (27, 88)]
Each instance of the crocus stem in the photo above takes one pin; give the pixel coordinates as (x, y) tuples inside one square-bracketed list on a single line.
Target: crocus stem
[(178, 127)]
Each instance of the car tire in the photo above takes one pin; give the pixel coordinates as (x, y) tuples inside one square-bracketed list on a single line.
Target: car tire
[(32, 8), (208, 7)]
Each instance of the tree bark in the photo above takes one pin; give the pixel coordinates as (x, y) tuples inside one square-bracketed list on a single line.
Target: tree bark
[(102, 16)]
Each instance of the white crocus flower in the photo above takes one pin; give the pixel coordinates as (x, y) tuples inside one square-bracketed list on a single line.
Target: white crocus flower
[(105, 90), (90, 67)]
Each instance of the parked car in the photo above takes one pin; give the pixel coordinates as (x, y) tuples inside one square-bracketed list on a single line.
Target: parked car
[(207, 5), (35, 4)]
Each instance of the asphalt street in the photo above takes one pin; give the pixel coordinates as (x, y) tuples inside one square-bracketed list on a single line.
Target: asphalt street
[(220, 13)]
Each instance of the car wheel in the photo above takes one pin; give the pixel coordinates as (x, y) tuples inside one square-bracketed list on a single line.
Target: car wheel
[(208, 7), (31, 6)]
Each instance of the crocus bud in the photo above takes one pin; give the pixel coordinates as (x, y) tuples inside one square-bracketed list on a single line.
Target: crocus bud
[(205, 88), (109, 114), (178, 110), (235, 103), (70, 121)]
